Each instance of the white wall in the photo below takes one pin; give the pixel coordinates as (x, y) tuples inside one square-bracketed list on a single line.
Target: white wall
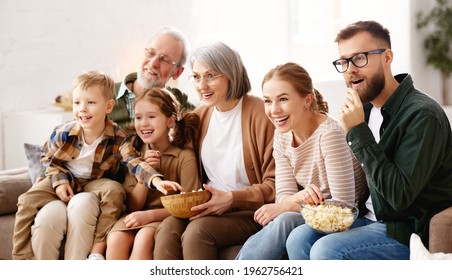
[(45, 44)]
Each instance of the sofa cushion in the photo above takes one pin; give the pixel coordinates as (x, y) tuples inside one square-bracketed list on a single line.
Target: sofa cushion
[(11, 186), (419, 252), (6, 236), (33, 153)]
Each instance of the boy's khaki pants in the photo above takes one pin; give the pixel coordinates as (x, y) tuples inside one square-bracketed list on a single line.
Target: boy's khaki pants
[(74, 222), (111, 197)]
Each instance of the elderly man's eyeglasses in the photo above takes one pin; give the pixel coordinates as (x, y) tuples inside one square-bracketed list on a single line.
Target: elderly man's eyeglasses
[(151, 53), (209, 79), (359, 60)]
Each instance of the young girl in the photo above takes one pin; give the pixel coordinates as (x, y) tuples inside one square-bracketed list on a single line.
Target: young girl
[(161, 138)]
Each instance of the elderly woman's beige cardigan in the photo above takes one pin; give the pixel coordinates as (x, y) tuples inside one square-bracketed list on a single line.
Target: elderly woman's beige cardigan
[(257, 138)]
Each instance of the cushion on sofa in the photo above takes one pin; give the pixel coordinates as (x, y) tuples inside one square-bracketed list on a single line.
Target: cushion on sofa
[(11, 186), (419, 252), (33, 153)]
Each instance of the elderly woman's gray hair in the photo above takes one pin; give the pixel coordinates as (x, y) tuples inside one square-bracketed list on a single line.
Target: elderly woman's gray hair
[(220, 58)]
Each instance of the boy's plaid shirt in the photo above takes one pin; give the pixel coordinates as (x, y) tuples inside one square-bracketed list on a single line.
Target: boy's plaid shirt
[(65, 143)]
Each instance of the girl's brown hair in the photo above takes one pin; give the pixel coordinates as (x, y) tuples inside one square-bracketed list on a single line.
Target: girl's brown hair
[(186, 127), (300, 80)]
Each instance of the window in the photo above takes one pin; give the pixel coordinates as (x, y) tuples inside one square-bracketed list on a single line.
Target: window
[(271, 32)]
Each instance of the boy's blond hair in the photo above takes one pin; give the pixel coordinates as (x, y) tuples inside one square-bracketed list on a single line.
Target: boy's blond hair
[(96, 78)]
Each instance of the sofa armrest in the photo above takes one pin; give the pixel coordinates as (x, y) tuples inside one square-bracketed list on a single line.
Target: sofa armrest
[(440, 239), (13, 171), (12, 184)]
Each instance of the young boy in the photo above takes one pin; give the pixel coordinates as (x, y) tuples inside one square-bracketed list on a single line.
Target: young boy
[(84, 156)]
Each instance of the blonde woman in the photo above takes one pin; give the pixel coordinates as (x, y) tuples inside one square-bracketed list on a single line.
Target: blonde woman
[(313, 161)]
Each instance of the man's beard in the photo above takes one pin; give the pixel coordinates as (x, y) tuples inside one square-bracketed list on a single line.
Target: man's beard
[(374, 88), (148, 83)]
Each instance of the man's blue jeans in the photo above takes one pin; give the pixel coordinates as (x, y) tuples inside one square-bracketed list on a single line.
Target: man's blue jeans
[(270, 242), (366, 240)]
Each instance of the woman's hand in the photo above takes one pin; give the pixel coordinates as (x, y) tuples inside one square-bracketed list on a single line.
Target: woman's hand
[(268, 212), (309, 195), (219, 203), (152, 157)]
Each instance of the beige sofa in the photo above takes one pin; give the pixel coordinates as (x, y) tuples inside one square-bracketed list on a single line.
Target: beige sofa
[(13, 183)]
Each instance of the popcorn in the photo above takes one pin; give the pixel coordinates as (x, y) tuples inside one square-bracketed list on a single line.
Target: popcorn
[(328, 218), (200, 189)]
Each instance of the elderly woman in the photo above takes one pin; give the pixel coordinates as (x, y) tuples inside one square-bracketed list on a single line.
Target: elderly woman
[(234, 149)]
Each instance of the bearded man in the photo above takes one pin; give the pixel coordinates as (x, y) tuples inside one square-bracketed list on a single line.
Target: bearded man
[(403, 140)]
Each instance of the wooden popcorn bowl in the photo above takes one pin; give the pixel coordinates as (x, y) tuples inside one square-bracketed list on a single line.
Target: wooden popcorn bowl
[(179, 205)]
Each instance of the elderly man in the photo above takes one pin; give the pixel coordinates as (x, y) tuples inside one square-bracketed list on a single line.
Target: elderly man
[(164, 58)]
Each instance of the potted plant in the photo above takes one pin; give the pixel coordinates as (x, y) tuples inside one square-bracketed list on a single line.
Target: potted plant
[(438, 43)]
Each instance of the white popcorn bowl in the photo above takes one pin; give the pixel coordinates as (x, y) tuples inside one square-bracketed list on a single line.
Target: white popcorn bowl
[(329, 217)]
